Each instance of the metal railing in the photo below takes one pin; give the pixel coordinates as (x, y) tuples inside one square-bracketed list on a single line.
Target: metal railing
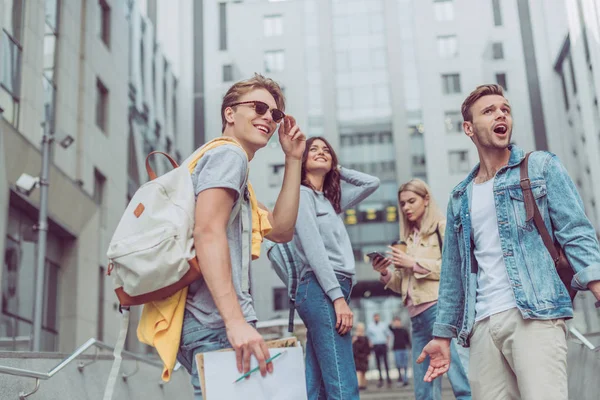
[(90, 343)]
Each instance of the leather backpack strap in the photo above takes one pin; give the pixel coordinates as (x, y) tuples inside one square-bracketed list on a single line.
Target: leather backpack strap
[(439, 237), (150, 171), (532, 210)]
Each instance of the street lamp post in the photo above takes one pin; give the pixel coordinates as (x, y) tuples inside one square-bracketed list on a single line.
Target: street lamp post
[(42, 228)]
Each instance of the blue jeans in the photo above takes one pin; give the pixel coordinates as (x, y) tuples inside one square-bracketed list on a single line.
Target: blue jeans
[(197, 338), (401, 356), (330, 370), (422, 333)]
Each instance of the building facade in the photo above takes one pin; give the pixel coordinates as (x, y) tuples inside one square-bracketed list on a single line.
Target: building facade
[(112, 87)]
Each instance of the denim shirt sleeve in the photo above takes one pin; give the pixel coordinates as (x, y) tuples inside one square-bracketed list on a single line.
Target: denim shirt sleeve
[(451, 296), (572, 229)]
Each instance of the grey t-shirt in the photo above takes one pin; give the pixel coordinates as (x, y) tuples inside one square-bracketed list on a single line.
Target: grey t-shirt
[(224, 167)]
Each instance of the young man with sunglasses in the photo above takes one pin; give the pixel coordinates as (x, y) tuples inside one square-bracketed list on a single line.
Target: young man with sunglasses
[(219, 310), (499, 291)]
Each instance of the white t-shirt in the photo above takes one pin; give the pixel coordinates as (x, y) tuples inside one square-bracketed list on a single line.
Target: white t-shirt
[(494, 292)]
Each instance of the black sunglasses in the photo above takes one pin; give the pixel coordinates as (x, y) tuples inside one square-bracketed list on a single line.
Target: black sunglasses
[(261, 109)]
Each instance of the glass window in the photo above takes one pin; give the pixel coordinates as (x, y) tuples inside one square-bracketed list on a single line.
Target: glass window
[(458, 161), (222, 26), (18, 277), (227, 73), (274, 61), (11, 59), (453, 121), (276, 175), (497, 51), (12, 20), (101, 106), (497, 12), (451, 83), (501, 80), (273, 25), (104, 23), (443, 10), (281, 300), (447, 46)]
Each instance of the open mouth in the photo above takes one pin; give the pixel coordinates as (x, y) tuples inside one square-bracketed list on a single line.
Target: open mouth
[(501, 129), (263, 129), (321, 159)]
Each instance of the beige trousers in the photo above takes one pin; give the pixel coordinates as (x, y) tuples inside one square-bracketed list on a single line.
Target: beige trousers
[(515, 358)]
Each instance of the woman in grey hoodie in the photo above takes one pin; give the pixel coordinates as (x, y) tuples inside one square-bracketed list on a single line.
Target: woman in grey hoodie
[(327, 269)]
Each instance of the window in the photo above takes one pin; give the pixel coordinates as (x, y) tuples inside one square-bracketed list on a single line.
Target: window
[(101, 106), (18, 276), (100, 323), (443, 10), (104, 23), (497, 13), (458, 162), (99, 182), (453, 121), (497, 51), (281, 301), (273, 25), (227, 73), (222, 26), (11, 56), (451, 83), (274, 61), (50, 41), (501, 80), (276, 175), (447, 46)]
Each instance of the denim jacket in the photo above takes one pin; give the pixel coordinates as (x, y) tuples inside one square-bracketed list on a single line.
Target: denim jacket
[(538, 291)]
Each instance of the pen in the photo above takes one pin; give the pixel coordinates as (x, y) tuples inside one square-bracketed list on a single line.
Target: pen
[(257, 368)]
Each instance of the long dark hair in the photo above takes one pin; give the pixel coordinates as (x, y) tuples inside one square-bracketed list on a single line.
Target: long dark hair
[(331, 185)]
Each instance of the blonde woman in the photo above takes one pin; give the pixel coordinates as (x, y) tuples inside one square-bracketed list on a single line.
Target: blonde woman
[(413, 270)]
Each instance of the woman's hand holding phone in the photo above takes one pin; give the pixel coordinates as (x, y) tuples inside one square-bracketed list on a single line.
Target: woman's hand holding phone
[(400, 258)]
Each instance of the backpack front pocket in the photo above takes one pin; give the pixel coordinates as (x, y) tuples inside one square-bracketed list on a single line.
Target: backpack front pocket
[(136, 263)]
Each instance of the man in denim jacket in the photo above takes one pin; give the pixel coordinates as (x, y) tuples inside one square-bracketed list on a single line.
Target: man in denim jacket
[(499, 291)]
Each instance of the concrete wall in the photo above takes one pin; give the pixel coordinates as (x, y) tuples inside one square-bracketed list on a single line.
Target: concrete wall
[(89, 384)]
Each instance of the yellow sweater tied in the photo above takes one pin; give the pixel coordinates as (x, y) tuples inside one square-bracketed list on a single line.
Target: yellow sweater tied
[(161, 321)]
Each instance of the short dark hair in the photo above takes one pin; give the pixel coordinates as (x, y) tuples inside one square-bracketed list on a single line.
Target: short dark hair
[(242, 87), (479, 92)]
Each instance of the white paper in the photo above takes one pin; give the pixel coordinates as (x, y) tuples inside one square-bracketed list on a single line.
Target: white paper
[(287, 382)]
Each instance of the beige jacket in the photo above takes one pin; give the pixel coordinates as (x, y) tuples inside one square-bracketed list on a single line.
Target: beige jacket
[(424, 287)]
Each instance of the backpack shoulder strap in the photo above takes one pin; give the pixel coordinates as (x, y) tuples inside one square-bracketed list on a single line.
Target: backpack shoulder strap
[(439, 237), (532, 210)]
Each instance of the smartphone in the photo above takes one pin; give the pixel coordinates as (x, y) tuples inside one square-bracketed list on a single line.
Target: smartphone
[(374, 255)]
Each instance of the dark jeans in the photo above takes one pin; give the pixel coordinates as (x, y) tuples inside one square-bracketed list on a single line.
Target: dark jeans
[(381, 352)]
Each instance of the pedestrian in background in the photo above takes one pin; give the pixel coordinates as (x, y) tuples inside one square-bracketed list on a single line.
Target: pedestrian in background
[(361, 349), (401, 349), (380, 336)]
